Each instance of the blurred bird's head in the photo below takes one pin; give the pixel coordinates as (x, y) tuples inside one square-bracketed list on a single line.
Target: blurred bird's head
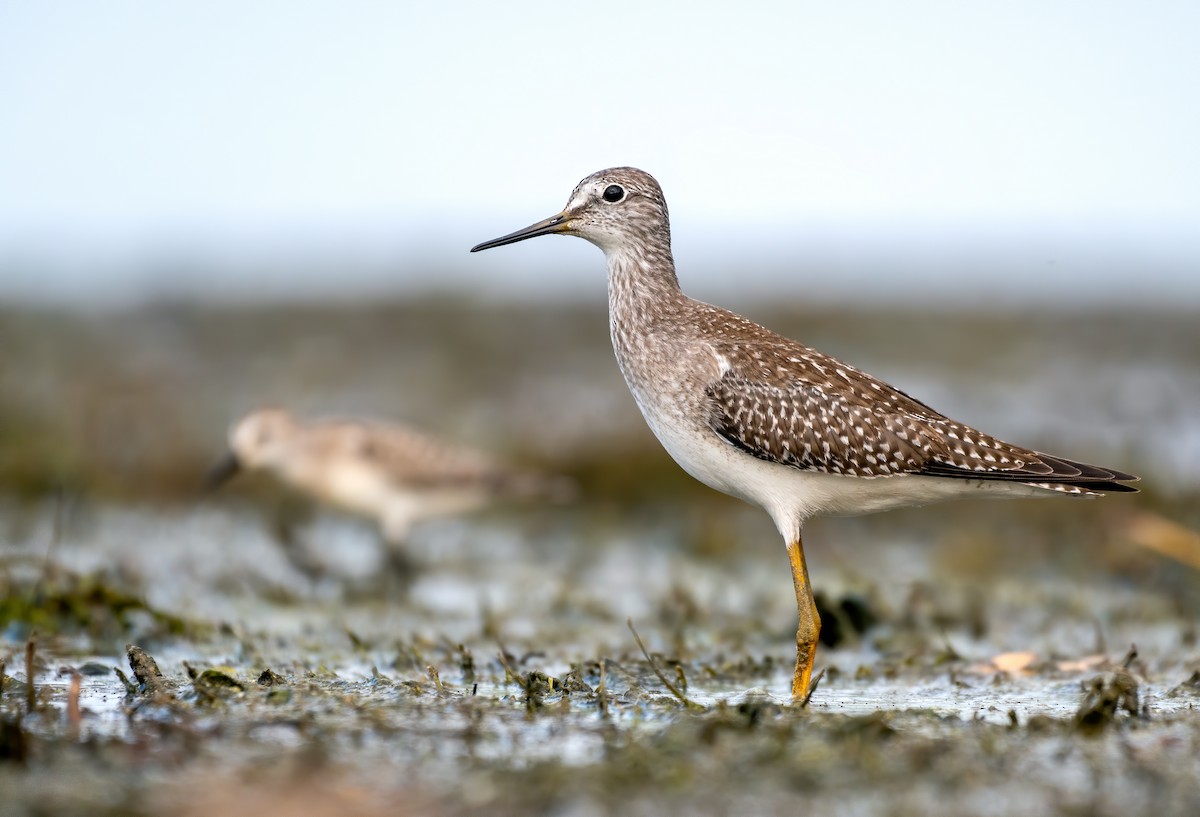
[(257, 441)]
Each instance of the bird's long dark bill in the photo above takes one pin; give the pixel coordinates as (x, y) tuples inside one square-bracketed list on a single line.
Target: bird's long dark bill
[(554, 224), (222, 471)]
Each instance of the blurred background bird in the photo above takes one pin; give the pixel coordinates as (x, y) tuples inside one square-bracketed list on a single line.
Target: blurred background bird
[(387, 472)]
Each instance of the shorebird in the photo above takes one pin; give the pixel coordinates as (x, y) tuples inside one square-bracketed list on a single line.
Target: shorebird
[(387, 472), (769, 420)]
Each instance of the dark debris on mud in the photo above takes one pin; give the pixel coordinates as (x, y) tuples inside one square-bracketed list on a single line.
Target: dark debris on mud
[(164, 655), (499, 734)]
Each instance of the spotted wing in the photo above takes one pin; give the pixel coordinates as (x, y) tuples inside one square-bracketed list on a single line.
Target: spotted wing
[(811, 412), (804, 426)]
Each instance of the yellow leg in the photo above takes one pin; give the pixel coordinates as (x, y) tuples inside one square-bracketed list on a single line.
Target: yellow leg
[(810, 623)]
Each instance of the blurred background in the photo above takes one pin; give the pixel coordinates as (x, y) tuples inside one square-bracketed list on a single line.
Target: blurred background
[(208, 208), (1034, 153)]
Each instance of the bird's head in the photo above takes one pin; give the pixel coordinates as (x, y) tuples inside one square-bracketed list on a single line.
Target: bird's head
[(258, 440), (612, 208)]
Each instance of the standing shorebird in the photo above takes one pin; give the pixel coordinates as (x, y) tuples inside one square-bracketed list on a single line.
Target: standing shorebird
[(390, 473), (768, 420)]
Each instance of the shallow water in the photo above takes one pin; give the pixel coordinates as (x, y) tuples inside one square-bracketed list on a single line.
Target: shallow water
[(912, 716)]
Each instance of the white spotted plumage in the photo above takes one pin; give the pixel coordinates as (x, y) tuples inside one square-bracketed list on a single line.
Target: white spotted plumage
[(762, 417)]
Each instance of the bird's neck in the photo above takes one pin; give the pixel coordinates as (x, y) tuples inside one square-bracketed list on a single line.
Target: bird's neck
[(642, 286)]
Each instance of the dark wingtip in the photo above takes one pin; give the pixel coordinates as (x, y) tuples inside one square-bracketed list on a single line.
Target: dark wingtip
[(1082, 470), (1111, 488), (1048, 470)]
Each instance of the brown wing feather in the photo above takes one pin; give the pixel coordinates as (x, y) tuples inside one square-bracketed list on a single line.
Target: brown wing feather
[(792, 405)]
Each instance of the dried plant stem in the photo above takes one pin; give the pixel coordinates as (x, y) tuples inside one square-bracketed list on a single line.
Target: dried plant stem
[(816, 681), (73, 713), (683, 699), (30, 691)]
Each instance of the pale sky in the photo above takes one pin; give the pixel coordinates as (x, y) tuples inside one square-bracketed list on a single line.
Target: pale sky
[(1026, 147)]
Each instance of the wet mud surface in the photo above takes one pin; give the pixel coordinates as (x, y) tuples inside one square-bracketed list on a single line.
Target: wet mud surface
[(184, 659)]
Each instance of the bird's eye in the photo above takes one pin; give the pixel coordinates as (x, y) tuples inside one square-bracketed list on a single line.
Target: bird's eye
[(614, 193)]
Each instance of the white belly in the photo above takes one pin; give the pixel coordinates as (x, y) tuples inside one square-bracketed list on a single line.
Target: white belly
[(791, 495)]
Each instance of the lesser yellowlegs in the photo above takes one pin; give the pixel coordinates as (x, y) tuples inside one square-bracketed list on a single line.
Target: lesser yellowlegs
[(768, 420)]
